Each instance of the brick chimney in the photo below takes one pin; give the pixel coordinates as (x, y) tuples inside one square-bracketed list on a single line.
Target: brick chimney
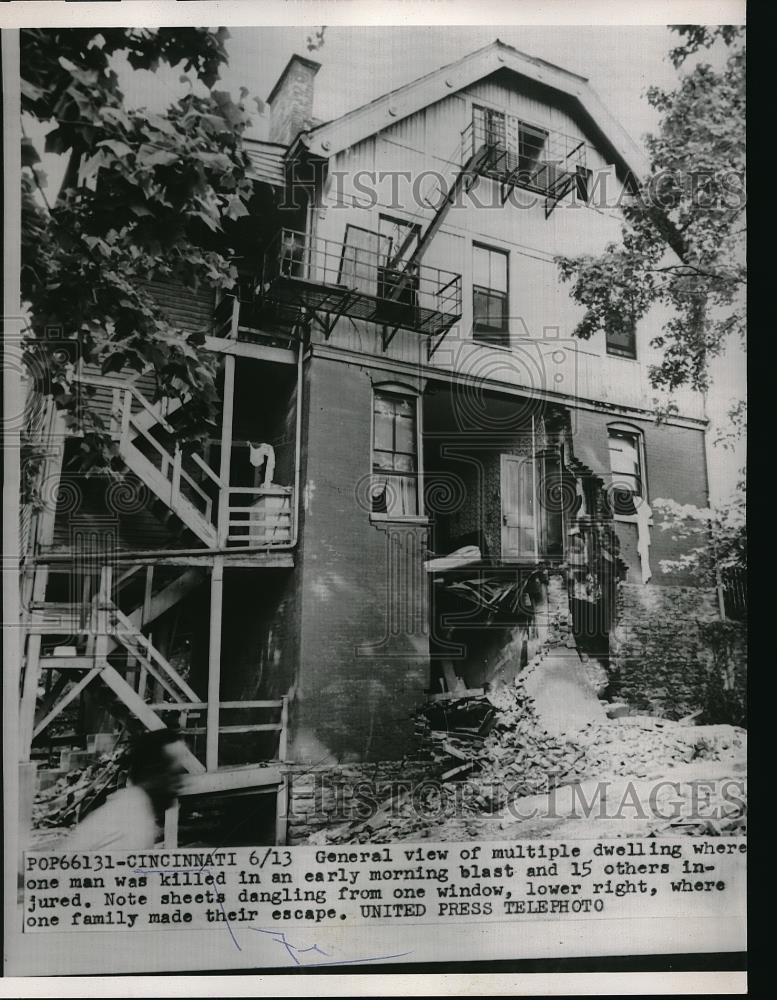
[(291, 100)]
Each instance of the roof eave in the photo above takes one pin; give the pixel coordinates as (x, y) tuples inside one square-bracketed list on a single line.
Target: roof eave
[(331, 137)]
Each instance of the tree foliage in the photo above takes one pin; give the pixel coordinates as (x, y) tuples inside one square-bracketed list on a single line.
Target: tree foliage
[(718, 536), (145, 198), (682, 240)]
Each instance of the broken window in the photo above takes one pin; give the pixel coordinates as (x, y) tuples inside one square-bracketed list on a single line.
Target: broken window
[(490, 295), (394, 455), (626, 467)]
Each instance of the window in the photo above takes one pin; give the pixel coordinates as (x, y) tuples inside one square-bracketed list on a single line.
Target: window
[(394, 455), (519, 526), (490, 295), (622, 341), (532, 494), (489, 126), (627, 470), (531, 143), (400, 240), (400, 237)]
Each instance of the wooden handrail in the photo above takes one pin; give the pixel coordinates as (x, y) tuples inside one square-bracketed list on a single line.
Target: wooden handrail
[(198, 706), (206, 469), (171, 460), (272, 490)]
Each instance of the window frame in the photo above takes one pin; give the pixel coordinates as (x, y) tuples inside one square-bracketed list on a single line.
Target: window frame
[(637, 436), (501, 336), (415, 227), (617, 351), (412, 395), (527, 131), (488, 112)]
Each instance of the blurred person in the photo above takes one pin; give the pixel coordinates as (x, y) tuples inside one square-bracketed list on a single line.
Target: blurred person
[(131, 818)]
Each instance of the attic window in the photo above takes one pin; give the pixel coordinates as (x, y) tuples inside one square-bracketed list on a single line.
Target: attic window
[(489, 126), (531, 143)]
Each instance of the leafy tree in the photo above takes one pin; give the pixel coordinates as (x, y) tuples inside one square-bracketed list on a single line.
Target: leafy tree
[(719, 533), (145, 197), (682, 245), (683, 237)]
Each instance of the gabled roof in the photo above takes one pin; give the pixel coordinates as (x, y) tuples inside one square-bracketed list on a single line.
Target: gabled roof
[(340, 133)]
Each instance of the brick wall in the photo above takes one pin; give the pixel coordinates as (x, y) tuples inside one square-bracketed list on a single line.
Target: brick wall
[(292, 100), (364, 644), (666, 648)]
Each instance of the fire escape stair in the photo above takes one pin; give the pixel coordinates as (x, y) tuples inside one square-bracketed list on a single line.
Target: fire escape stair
[(475, 165), (145, 441)]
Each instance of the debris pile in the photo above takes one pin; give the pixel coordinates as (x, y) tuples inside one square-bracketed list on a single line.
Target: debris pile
[(69, 799), (485, 751)]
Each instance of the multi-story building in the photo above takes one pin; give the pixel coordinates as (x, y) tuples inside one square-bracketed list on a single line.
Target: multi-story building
[(417, 462)]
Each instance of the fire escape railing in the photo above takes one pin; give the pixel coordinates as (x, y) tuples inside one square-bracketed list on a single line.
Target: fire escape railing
[(544, 161), (357, 278)]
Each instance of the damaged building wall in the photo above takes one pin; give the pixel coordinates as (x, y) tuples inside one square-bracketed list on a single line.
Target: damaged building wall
[(364, 647), (675, 469), (663, 647), (659, 647)]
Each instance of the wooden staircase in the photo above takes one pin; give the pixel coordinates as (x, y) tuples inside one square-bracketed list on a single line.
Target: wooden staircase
[(139, 429)]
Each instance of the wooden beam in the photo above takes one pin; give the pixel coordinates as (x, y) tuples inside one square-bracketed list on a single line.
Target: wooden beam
[(66, 662), (141, 710), (225, 466), (254, 776), (283, 742), (245, 349), (171, 825), (52, 694), (217, 573), (75, 690), (50, 473), (282, 812), (155, 605), (214, 666), (147, 592), (264, 727), (264, 559), (193, 706)]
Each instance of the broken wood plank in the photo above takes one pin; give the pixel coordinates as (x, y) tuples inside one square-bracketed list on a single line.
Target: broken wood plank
[(456, 771), (458, 695)]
